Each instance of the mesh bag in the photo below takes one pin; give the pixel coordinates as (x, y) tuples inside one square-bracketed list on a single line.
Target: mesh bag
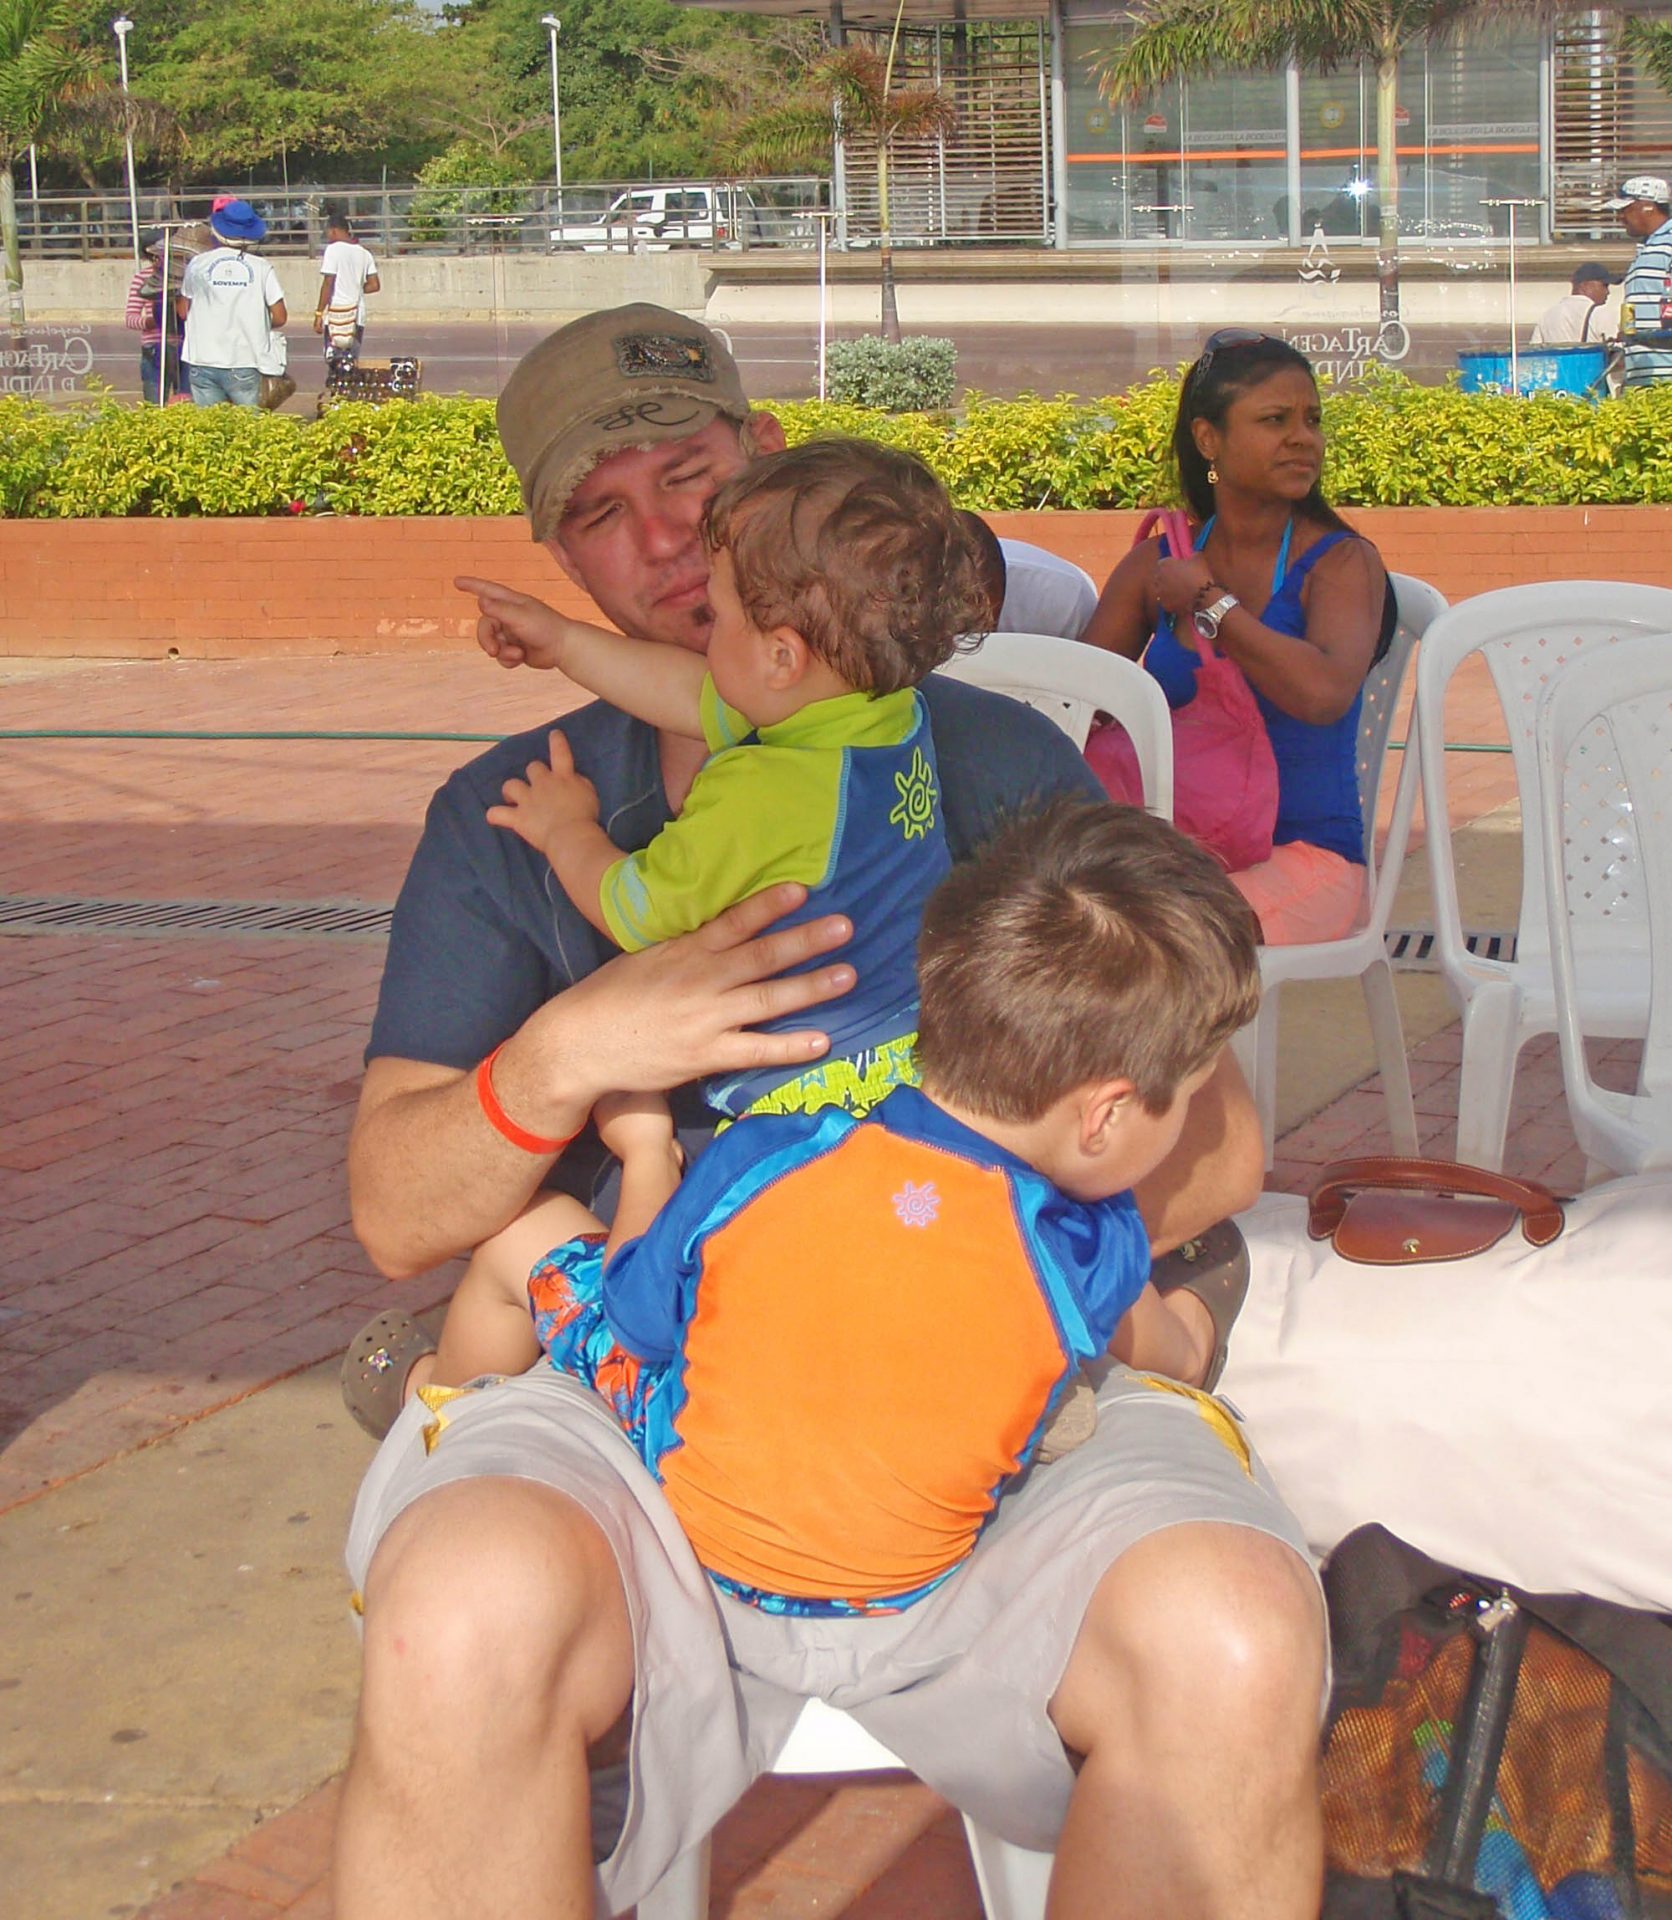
[(1492, 1752)]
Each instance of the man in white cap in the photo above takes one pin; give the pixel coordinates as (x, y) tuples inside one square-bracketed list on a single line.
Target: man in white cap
[(231, 302), (1644, 204), (1129, 1668)]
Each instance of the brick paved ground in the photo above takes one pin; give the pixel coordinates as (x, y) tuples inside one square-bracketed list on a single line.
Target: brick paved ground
[(173, 1219)]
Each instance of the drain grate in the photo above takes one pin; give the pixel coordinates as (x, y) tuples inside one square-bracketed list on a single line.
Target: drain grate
[(176, 919), (1411, 949)]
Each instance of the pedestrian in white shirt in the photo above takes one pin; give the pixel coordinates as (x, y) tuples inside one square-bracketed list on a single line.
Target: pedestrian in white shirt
[(1031, 590), (231, 302), (347, 273), (1578, 318)]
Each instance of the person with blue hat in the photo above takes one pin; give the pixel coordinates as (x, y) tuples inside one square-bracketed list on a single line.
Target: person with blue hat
[(231, 303)]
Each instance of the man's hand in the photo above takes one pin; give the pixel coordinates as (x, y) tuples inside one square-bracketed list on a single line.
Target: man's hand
[(429, 1179), (552, 800), (686, 1009), (514, 628), (319, 323)]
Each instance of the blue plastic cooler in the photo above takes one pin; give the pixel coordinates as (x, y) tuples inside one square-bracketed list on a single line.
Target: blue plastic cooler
[(1577, 369)]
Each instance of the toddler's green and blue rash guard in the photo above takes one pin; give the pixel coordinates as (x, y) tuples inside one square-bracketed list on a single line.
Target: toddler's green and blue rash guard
[(843, 796)]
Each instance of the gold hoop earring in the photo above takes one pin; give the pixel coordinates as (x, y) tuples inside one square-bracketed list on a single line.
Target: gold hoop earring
[(1213, 475)]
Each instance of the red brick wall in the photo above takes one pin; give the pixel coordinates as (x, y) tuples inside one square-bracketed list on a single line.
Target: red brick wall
[(220, 589)]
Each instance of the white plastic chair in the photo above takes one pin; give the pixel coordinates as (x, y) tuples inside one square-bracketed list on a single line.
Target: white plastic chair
[(1070, 683), (1013, 1880), (1604, 744), (1362, 954), (1526, 635)]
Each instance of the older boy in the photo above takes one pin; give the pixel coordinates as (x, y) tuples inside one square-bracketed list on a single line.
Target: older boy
[(835, 1444)]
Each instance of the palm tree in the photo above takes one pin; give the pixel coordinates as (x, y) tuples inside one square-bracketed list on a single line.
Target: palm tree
[(852, 86), (41, 69), (861, 82), (1179, 37), (1651, 41)]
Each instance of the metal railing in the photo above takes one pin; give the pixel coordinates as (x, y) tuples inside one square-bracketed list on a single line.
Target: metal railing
[(607, 216)]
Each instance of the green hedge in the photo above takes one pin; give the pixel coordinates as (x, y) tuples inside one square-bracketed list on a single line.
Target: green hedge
[(428, 456), (1390, 444)]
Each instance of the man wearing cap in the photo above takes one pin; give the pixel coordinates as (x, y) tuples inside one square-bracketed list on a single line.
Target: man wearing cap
[(1644, 204), (1128, 1669), (231, 302), (1578, 317)]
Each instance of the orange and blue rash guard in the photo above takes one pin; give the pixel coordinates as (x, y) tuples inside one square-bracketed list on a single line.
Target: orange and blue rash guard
[(852, 1334)]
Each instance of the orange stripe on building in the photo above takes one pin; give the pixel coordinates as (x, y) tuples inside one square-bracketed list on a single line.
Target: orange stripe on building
[(1174, 155)]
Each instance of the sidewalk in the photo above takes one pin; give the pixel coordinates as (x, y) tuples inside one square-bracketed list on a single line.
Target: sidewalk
[(178, 1275)]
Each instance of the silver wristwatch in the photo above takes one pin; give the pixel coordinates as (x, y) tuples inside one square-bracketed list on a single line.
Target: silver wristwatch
[(1210, 619)]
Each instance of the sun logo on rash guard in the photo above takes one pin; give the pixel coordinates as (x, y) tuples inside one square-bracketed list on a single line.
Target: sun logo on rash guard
[(917, 1205), (915, 814)]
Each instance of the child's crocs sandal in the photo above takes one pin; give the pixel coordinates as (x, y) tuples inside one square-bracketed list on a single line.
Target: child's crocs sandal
[(1214, 1267), (379, 1358), (1071, 1426)]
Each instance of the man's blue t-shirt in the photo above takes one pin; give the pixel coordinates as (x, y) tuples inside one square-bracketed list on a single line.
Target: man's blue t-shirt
[(483, 935)]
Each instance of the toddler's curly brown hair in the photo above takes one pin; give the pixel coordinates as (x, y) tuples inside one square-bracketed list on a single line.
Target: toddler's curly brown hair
[(858, 549)]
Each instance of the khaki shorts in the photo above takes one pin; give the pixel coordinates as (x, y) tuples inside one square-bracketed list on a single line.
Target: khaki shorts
[(957, 1685)]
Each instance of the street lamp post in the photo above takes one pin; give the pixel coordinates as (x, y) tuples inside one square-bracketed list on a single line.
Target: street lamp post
[(122, 26), (554, 27)]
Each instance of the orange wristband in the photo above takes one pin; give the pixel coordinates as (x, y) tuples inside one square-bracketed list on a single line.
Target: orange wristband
[(501, 1121)]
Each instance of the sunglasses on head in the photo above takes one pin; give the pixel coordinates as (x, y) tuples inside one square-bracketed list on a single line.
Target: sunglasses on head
[(1223, 341)]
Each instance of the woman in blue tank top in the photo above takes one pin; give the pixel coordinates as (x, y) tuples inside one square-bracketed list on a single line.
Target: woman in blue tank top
[(1303, 607)]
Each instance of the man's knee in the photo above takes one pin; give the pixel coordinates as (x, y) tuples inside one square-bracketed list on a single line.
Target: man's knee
[(490, 1593), (1195, 1623)]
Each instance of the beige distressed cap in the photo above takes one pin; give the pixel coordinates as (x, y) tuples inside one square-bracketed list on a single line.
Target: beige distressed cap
[(629, 377)]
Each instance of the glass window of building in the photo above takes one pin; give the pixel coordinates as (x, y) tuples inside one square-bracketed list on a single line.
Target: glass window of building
[(1206, 159)]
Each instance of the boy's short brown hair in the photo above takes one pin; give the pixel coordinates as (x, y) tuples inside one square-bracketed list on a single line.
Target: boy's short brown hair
[(1085, 942), (857, 547)]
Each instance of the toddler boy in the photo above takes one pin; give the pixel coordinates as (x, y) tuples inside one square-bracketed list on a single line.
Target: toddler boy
[(841, 578)]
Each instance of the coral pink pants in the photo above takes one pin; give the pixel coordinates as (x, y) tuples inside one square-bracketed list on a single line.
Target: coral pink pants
[(1303, 893)]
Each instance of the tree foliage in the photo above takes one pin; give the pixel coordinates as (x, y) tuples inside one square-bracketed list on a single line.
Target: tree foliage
[(341, 89), (1651, 41), (252, 83), (42, 70), (637, 79)]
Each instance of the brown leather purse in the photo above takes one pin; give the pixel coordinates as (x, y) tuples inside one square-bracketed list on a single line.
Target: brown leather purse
[(1385, 1212)]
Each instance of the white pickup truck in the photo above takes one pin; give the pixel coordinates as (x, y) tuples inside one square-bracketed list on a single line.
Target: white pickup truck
[(655, 219)]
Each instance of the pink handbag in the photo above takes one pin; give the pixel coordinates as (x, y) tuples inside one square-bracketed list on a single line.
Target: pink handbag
[(1224, 773)]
